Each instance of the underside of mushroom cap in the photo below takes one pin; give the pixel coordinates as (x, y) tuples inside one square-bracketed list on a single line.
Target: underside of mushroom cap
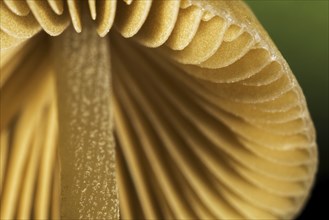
[(210, 122)]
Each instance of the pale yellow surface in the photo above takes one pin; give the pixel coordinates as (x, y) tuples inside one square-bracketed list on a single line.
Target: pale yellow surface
[(209, 121)]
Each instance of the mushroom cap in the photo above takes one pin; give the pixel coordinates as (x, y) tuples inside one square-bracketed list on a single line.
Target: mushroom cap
[(210, 121)]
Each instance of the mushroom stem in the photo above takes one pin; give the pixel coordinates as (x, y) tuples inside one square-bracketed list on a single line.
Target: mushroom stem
[(86, 144)]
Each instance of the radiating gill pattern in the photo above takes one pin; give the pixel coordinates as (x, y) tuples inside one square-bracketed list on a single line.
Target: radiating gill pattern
[(209, 120)]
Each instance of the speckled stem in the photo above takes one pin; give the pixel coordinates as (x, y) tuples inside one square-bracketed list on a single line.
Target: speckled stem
[(86, 146)]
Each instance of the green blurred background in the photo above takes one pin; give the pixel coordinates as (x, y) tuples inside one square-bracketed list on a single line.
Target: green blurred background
[(300, 30)]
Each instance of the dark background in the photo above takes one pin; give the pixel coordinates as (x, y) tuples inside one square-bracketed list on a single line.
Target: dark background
[(300, 30)]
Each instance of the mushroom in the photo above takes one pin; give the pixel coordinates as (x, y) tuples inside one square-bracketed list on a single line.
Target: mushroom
[(159, 109)]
